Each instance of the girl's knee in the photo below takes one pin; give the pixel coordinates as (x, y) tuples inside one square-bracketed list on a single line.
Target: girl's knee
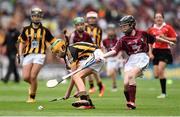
[(132, 82), (26, 79)]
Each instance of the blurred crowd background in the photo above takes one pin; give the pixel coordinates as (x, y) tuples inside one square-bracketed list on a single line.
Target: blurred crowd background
[(58, 14)]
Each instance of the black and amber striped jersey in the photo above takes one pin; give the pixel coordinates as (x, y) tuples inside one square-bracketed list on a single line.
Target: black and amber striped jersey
[(35, 39), (96, 34), (79, 51)]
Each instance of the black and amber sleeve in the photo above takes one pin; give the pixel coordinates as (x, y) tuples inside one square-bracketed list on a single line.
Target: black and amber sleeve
[(49, 37), (23, 37), (99, 38)]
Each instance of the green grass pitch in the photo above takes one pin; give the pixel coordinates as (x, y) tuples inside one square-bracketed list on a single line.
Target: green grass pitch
[(13, 97)]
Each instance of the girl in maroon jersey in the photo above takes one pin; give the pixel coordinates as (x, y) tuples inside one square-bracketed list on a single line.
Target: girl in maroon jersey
[(79, 35), (136, 44)]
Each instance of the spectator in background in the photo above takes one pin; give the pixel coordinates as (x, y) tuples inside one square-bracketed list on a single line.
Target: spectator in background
[(10, 42)]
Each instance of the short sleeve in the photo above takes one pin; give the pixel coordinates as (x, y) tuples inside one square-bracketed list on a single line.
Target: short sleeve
[(149, 31), (100, 33), (22, 37), (49, 37), (171, 32)]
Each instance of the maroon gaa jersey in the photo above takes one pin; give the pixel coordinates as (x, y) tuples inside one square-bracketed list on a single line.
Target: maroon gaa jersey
[(85, 37), (135, 44), (109, 43)]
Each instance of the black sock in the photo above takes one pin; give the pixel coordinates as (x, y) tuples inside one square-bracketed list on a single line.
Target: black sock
[(32, 96), (91, 83), (83, 97), (99, 85), (163, 85)]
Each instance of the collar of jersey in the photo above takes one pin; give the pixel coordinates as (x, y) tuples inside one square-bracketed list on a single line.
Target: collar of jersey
[(163, 24)]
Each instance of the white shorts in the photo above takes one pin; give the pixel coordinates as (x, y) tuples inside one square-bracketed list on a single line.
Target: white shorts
[(139, 60), (34, 58), (112, 63), (97, 66)]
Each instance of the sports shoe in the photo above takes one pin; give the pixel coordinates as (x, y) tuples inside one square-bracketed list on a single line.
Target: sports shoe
[(30, 100), (4, 80), (92, 90), (101, 93), (131, 105), (86, 107), (161, 96), (114, 89), (81, 103)]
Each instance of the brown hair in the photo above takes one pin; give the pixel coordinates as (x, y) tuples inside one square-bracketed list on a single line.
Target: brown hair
[(156, 12)]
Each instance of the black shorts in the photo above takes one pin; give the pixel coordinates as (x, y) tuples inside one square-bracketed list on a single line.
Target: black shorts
[(162, 55)]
